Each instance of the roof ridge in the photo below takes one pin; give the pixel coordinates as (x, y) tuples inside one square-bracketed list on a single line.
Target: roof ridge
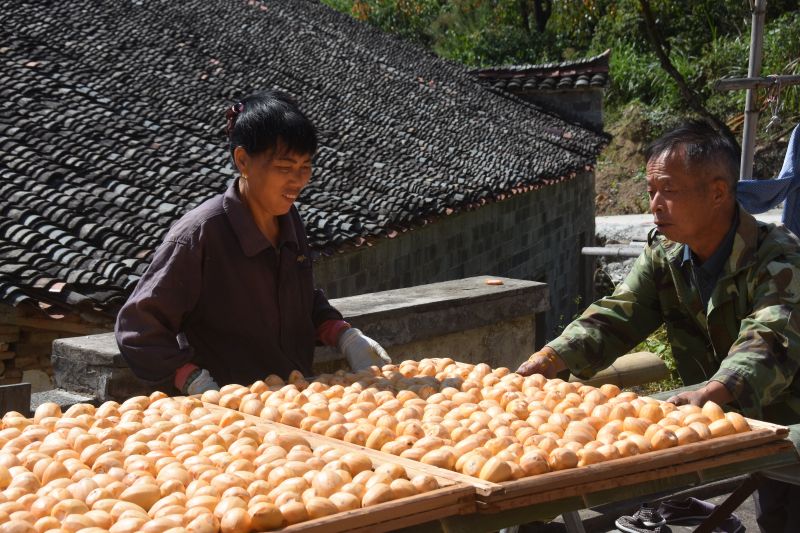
[(600, 60)]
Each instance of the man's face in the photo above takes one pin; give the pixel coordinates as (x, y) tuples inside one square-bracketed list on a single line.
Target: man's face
[(680, 198)]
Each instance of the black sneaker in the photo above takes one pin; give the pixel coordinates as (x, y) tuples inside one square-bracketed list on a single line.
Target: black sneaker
[(688, 509), (694, 510), (649, 516), (629, 524)]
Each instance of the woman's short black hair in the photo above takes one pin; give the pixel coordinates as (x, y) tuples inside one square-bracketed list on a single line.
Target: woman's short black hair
[(262, 121), (702, 146)]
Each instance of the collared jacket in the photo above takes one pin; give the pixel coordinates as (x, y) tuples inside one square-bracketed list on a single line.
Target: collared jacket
[(748, 337), (218, 294)]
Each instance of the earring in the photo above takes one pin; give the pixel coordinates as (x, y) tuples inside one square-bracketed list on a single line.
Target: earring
[(244, 177)]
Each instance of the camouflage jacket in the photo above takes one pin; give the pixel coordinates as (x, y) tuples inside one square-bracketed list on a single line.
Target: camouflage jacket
[(748, 337)]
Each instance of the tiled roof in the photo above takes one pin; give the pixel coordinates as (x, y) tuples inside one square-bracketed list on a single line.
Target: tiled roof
[(112, 119), (582, 74)]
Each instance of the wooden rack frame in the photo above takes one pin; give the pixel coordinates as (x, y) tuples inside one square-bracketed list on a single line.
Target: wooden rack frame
[(497, 505)]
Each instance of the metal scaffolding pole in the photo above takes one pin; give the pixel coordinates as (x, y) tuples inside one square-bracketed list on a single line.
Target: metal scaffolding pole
[(759, 9), (735, 84)]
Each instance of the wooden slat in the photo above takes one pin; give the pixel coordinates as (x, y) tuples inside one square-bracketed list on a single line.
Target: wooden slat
[(626, 466), (779, 430), (546, 511), (61, 325), (458, 499)]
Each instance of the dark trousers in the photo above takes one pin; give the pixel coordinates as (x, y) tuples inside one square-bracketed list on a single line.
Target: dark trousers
[(778, 507)]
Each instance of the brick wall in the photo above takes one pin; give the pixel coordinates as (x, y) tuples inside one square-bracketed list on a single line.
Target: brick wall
[(535, 236), (26, 340), (25, 357)]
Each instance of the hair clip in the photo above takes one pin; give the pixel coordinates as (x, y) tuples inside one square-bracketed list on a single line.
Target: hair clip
[(230, 114)]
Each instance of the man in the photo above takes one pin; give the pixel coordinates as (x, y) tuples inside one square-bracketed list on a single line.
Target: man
[(726, 286)]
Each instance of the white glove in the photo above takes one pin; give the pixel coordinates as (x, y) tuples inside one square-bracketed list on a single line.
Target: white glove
[(360, 351), (201, 383)]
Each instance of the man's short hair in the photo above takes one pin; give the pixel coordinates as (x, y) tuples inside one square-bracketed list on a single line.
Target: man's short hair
[(702, 145)]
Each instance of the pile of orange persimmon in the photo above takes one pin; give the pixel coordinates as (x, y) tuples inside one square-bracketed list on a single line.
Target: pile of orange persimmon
[(159, 464), (483, 422)]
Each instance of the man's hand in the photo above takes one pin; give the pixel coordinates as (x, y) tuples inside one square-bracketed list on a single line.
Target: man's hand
[(714, 391), (545, 362), (360, 351), (200, 382)]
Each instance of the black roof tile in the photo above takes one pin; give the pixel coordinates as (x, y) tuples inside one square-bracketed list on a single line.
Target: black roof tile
[(112, 119), (581, 74)]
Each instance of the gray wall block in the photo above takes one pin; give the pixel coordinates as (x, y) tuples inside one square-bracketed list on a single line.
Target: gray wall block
[(534, 236)]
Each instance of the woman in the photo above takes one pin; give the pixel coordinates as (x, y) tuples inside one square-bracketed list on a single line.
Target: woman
[(229, 296)]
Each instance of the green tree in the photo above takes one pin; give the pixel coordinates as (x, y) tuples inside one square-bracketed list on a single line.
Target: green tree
[(703, 40)]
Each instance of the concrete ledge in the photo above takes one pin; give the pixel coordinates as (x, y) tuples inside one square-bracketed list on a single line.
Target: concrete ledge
[(92, 365), (65, 399), (98, 349), (404, 315), (629, 370), (465, 319)]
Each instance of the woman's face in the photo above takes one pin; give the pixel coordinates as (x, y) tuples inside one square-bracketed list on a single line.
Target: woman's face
[(274, 178)]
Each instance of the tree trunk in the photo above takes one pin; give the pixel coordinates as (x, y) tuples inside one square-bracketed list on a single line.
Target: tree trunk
[(691, 97), (542, 9), (524, 13)]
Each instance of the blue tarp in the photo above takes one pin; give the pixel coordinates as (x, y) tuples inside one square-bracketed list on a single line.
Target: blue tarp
[(757, 196)]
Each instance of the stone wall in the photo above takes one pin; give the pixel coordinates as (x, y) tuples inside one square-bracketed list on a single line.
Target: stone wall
[(26, 341), (25, 355), (535, 236)]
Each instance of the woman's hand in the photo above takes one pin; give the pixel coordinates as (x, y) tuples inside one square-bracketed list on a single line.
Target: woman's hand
[(360, 351), (188, 374), (545, 362)]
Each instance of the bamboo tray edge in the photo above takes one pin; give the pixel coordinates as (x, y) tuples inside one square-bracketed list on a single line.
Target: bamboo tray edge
[(761, 433), (509, 500)]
